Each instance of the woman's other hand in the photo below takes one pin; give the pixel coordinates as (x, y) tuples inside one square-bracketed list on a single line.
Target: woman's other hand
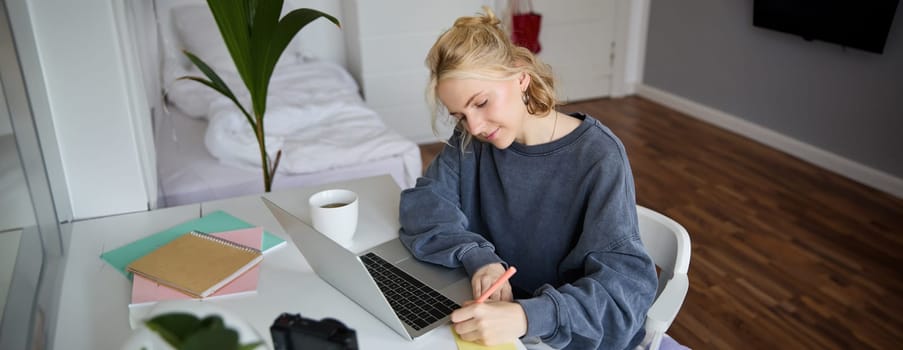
[(490, 323), (485, 277)]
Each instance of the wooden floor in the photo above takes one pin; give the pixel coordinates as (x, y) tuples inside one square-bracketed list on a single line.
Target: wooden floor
[(785, 255)]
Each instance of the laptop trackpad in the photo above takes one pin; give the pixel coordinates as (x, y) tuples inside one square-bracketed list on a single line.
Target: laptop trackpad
[(432, 275), (392, 251)]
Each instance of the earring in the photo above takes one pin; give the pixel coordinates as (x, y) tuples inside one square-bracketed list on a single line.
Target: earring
[(525, 98)]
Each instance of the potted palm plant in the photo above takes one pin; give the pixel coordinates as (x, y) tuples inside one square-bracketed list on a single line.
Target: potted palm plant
[(185, 331), (192, 324), (256, 37)]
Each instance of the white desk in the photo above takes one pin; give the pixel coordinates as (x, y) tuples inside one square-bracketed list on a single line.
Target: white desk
[(94, 304)]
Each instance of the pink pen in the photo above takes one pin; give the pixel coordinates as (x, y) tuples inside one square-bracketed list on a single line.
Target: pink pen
[(498, 283)]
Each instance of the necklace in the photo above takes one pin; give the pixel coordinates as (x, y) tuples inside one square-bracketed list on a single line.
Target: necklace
[(554, 127)]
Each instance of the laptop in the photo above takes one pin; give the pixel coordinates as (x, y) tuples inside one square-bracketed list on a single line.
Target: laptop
[(409, 296)]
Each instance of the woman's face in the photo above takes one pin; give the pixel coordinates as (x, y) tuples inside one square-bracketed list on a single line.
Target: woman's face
[(492, 111)]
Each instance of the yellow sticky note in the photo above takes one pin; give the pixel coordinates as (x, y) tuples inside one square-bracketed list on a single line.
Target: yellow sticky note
[(466, 345)]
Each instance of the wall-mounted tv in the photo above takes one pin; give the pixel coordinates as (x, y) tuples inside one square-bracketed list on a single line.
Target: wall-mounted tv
[(859, 24)]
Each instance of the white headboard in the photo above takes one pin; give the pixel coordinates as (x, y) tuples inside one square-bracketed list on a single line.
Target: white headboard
[(320, 40)]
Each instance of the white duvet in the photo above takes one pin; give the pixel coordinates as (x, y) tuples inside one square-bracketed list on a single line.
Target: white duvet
[(314, 115)]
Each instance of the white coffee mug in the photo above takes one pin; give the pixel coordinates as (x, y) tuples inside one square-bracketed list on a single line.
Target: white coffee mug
[(334, 213)]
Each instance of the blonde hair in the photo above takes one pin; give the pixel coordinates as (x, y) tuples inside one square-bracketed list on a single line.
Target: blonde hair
[(477, 48)]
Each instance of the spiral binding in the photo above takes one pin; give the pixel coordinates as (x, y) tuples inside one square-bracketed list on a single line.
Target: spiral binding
[(224, 241)]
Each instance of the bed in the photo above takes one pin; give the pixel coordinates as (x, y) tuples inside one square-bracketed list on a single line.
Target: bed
[(205, 150)]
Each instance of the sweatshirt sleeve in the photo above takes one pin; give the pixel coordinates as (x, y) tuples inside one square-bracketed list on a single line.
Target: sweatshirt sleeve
[(605, 306), (433, 226)]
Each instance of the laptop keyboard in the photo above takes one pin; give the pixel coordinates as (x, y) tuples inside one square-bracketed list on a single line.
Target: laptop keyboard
[(415, 304)]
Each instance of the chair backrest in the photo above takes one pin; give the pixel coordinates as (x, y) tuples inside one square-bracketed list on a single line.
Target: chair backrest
[(667, 242)]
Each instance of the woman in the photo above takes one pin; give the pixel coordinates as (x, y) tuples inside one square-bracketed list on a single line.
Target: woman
[(521, 184)]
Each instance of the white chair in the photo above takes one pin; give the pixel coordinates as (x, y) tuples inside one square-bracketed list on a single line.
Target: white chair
[(668, 243)]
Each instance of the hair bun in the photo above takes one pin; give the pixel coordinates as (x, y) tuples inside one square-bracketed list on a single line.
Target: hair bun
[(488, 18)]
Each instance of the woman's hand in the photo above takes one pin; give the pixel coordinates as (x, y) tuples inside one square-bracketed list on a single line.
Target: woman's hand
[(490, 323), (485, 277)]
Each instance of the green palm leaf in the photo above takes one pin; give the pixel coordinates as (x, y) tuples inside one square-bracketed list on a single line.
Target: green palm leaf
[(266, 17), (216, 83), (271, 40), (234, 22), (256, 37)]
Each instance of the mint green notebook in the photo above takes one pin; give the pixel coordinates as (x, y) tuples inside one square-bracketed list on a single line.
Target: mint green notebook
[(217, 221)]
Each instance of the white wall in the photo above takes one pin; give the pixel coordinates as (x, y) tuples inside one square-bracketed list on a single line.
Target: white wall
[(86, 92), (387, 42), (27, 50), (137, 37), (839, 108), (634, 51), (322, 39)]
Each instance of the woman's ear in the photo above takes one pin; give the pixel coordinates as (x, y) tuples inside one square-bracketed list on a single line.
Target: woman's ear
[(524, 81)]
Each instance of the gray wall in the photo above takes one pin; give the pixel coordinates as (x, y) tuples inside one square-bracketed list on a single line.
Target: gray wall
[(844, 101)]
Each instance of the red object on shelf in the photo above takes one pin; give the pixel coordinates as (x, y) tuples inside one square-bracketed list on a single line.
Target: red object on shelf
[(525, 27)]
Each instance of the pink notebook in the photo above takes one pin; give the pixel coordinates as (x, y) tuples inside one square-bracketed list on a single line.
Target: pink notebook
[(147, 291)]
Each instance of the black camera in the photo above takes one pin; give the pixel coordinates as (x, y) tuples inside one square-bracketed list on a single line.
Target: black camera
[(293, 332)]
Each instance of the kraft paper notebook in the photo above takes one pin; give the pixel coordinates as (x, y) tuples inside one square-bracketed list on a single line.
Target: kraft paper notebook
[(146, 291), (217, 221), (196, 264)]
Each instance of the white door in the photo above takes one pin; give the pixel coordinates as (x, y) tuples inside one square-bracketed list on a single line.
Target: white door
[(577, 38)]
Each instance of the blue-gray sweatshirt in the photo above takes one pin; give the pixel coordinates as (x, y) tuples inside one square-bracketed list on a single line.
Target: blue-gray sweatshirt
[(563, 213)]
